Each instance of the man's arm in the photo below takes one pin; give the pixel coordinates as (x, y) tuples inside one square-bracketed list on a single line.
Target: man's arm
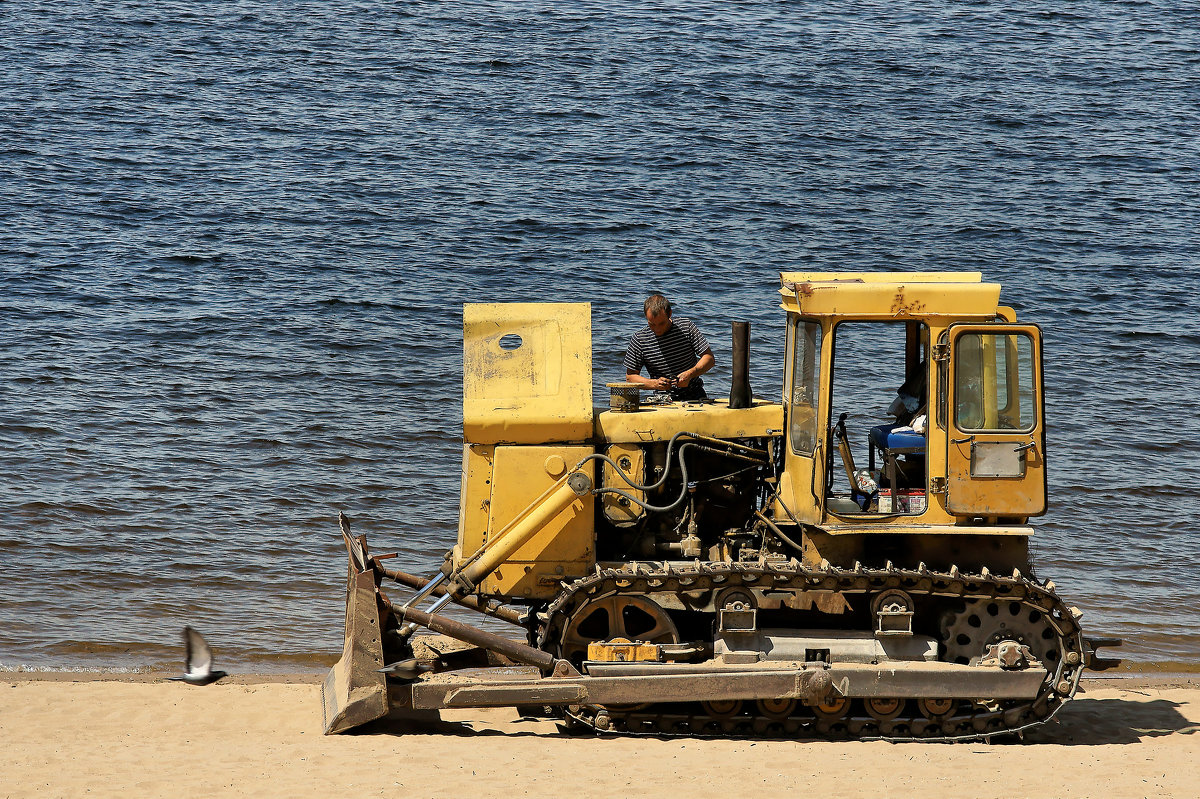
[(706, 362), (659, 384)]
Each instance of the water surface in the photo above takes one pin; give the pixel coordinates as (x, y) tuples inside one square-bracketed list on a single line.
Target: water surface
[(235, 241)]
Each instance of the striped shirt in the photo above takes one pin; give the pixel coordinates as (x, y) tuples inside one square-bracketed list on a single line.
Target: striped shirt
[(679, 349)]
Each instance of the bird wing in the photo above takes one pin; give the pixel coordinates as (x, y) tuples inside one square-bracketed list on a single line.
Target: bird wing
[(199, 655)]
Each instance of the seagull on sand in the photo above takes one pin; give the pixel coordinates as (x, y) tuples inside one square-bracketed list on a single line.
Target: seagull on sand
[(198, 668)]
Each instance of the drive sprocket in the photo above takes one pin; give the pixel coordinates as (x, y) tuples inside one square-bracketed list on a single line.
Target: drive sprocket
[(983, 622), (615, 616)]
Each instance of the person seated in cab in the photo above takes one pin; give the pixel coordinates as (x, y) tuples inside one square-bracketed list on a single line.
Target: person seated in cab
[(674, 352), (910, 406), (906, 436)]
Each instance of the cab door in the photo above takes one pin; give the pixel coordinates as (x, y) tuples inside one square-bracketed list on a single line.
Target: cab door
[(802, 483), (995, 450)]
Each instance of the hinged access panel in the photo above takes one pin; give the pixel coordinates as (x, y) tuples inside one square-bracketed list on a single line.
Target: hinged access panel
[(527, 372)]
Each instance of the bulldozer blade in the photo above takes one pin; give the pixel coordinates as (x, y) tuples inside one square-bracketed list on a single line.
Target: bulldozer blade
[(354, 691)]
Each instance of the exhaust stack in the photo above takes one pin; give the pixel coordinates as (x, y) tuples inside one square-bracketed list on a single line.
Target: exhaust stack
[(739, 390)]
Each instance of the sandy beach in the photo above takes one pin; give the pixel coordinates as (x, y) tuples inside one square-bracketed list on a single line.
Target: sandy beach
[(86, 735)]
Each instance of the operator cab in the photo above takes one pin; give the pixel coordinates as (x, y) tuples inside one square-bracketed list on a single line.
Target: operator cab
[(910, 398)]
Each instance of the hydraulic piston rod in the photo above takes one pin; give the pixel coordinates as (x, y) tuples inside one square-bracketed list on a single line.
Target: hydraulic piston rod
[(480, 638), (487, 607), (517, 532)]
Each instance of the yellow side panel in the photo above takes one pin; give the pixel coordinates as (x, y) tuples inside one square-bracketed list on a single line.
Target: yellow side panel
[(631, 459), (797, 491), (565, 548), (660, 422), (527, 372), (475, 496)]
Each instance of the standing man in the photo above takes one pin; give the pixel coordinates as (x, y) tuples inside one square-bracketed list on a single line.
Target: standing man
[(674, 352)]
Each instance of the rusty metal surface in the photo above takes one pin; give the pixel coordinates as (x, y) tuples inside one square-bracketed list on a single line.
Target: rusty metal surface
[(901, 679), (481, 638), (902, 528), (889, 295), (487, 607), (623, 690), (951, 680), (354, 692), (502, 695), (797, 699), (624, 397)]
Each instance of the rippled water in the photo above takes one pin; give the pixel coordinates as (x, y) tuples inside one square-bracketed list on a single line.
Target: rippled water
[(235, 239)]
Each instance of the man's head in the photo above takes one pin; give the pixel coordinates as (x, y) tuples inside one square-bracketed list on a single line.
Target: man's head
[(658, 314)]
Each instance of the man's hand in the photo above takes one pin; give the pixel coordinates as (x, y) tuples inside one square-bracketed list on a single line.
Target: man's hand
[(657, 384), (703, 365)]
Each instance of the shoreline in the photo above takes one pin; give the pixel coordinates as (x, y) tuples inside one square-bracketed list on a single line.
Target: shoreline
[(1127, 680), (71, 734)]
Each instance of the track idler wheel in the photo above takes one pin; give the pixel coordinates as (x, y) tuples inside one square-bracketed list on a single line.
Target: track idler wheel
[(634, 618), (722, 709), (937, 709), (884, 709), (776, 709), (832, 709)]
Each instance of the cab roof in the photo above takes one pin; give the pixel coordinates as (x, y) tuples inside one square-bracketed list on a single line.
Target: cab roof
[(891, 295)]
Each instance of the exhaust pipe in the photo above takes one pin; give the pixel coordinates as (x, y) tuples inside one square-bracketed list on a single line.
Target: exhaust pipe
[(739, 389)]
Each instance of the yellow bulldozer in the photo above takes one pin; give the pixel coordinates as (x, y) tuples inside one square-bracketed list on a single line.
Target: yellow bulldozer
[(851, 561)]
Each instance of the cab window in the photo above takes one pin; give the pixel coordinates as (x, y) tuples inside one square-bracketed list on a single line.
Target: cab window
[(805, 392), (993, 382)]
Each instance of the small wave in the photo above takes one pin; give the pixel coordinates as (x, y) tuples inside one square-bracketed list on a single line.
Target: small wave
[(1172, 336), (563, 113), (7, 668), (110, 508), (1122, 491), (193, 258), (104, 648), (413, 305), (28, 429), (1150, 660)]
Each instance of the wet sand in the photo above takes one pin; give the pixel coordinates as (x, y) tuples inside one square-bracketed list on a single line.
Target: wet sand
[(89, 735)]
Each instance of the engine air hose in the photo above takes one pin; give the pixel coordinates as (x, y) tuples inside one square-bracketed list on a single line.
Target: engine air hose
[(774, 528)]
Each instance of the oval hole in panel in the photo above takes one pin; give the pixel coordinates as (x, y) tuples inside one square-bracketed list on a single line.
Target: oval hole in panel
[(510, 342)]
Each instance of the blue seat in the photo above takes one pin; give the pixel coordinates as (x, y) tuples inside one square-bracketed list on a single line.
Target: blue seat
[(887, 438), (892, 444)]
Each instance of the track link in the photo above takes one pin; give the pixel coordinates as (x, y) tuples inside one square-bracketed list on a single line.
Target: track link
[(965, 720)]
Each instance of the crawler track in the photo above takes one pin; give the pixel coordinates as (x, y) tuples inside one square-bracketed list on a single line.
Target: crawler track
[(1038, 605)]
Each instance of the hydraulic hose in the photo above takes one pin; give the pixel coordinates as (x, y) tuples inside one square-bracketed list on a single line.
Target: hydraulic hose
[(747, 454), (778, 533), (647, 505), (751, 454)]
